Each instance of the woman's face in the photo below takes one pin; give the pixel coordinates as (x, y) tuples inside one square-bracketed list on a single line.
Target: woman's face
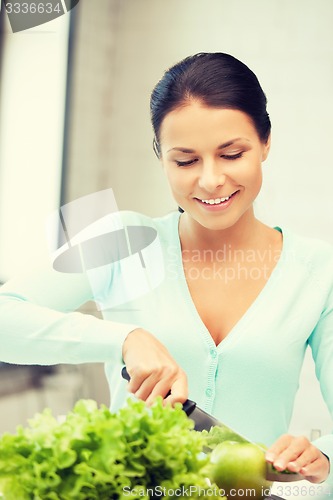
[(212, 158)]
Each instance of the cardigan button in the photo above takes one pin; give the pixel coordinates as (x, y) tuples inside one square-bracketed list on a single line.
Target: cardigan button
[(213, 353)]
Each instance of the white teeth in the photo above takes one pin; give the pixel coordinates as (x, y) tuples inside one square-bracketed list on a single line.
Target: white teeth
[(216, 201)]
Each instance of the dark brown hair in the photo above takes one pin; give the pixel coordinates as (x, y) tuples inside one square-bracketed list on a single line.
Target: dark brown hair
[(218, 80)]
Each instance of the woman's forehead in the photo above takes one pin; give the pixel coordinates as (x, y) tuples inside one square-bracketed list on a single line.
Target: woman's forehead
[(197, 121)]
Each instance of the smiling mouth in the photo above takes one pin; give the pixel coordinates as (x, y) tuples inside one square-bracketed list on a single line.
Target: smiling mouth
[(217, 201)]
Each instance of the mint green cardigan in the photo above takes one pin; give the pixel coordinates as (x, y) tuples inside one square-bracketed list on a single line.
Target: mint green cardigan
[(249, 381)]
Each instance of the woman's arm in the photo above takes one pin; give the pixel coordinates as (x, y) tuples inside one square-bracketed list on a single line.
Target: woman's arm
[(314, 460), (321, 343), (38, 324)]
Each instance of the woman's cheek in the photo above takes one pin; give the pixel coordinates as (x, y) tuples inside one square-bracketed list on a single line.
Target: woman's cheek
[(178, 181)]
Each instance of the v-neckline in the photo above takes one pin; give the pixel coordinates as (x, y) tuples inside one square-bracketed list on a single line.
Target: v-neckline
[(237, 328)]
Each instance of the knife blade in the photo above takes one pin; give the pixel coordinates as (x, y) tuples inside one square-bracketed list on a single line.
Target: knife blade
[(204, 421)]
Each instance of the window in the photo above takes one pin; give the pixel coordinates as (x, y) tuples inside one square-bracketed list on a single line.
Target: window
[(32, 117)]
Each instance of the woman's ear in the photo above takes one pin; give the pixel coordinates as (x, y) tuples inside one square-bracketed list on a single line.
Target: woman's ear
[(156, 148), (266, 148)]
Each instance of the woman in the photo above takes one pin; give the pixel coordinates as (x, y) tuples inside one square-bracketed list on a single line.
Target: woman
[(239, 303)]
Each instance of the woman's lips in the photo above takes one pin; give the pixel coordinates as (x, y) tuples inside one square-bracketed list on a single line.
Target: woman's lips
[(216, 204)]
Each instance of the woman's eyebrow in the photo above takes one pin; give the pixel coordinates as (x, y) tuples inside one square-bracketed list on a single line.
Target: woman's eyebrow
[(182, 150), (222, 146), (231, 142)]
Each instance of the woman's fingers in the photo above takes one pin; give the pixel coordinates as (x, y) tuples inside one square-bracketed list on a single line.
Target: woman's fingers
[(171, 384), (305, 458), (143, 379), (286, 449), (179, 390), (152, 370), (172, 390), (298, 454), (318, 470)]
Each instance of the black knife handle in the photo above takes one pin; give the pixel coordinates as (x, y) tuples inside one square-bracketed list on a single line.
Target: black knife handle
[(125, 374), (188, 406)]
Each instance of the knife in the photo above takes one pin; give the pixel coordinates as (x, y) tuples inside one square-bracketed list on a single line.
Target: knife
[(204, 421)]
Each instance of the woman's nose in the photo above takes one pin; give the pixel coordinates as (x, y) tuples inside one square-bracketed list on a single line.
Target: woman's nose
[(211, 177)]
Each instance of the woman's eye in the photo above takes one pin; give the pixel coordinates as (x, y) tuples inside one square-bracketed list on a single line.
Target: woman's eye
[(185, 163), (233, 157)]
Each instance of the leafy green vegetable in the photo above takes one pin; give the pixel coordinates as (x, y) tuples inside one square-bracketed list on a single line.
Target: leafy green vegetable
[(96, 454), (218, 434)]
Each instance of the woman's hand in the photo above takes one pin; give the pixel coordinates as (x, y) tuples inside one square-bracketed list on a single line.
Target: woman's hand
[(298, 454), (152, 370)]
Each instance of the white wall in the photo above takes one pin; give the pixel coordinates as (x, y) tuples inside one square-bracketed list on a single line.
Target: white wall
[(290, 47)]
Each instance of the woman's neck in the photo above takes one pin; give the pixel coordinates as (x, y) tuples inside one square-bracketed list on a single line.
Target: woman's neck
[(247, 232)]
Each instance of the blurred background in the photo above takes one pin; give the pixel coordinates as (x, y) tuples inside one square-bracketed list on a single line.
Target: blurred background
[(74, 119)]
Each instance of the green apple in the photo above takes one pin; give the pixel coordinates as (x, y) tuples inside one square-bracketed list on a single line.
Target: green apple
[(239, 468)]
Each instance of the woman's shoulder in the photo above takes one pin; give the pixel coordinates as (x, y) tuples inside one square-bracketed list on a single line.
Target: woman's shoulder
[(162, 224), (311, 250), (131, 216)]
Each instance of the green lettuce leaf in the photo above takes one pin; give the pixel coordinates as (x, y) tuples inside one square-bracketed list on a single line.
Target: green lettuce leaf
[(138, 452)]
